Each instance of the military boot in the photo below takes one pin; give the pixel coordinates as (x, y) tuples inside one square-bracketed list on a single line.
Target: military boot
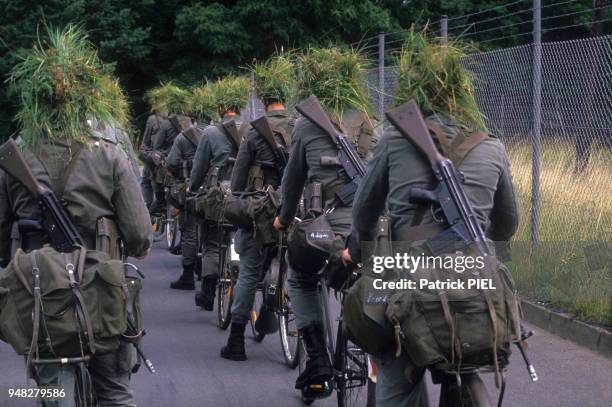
[(234, 350), (314, 381), (206, 298), (185, 281)]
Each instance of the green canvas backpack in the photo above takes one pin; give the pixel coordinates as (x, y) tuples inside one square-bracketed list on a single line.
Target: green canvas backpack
[(59, 305)]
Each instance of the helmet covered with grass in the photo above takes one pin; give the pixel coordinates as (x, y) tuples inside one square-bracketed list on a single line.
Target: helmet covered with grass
[(275, 78), (60, 82), (169, 98), (231, 93), (432, 74), (203, 103)]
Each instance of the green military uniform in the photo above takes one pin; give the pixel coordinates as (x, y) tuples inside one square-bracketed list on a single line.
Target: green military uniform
[(255, 150), (396, 167), (146, 184), (182, 153), (214, 150), (101, 184)]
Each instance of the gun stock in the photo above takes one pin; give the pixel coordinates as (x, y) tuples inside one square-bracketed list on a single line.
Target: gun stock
[(14, 164), (312, 110), (408, 119), (263, 127)]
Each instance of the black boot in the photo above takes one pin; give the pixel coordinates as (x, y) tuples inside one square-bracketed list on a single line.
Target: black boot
[(234, 350), (314, 380), (206, 298), (185, 281)]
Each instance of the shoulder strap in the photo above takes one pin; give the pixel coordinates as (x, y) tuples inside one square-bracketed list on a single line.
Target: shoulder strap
[(461, 145), (193, 135), (59, 186)]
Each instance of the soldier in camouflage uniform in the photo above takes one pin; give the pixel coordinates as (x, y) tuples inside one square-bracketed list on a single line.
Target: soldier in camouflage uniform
[(216, 152), (310, 144), (397, 166), (100, 183), (255, 170), (179, 163)]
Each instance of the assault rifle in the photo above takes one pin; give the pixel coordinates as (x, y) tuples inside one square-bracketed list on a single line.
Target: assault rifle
[(449, 196), (281, 157), (58, 226), (347, 157)]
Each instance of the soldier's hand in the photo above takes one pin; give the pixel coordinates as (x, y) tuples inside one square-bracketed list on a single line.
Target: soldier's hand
[(346, 258), (278, 225)]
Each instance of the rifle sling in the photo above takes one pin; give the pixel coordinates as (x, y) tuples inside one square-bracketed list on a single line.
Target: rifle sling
[(460, 146)]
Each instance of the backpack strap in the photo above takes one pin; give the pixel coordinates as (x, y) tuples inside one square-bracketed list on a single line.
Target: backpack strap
[(36, 312), (461, 145), (75, 273), (59, 186)]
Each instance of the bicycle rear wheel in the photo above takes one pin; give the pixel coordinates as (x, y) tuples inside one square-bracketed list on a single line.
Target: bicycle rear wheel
[(351, 371), (172, 231), (472, 392), (225, 287), (289, 335)]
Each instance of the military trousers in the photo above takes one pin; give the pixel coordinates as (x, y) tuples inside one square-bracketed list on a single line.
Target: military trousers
[(251, 261), (146, 185), (398, 383), (189, 238), (159, 198), (210, 249), (110, 376)]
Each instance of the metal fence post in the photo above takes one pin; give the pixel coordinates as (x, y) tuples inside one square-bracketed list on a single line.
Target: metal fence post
[(444, 29), (537, 123), (381, 75)]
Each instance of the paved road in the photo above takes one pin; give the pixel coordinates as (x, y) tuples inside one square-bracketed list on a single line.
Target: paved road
[(185, 342)]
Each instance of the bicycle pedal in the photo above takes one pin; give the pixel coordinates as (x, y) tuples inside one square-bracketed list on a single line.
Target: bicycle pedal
[(317, 391)]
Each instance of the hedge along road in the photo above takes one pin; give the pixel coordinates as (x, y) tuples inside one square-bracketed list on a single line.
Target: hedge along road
[(184, 344)]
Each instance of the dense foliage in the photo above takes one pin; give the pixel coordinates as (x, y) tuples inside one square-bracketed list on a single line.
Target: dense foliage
[(189, 41)]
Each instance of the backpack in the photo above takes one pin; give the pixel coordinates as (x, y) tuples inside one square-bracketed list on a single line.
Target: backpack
[(59, 305)]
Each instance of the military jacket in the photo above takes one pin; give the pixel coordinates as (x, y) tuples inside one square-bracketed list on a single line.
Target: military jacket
[(164, 138), (101, 184), (214, 150), (183, 150), (254, 150), (397, 166), (309, 144)]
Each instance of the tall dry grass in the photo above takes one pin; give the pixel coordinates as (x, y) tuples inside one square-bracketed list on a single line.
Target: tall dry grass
[(571, 270)]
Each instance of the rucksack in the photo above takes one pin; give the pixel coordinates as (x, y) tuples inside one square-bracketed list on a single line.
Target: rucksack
[(58, 305)]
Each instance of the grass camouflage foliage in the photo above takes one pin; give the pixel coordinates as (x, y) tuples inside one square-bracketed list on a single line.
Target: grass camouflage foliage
[(275, 79), (169, 98), (58, 82), (335, 76), (432, 75), (202, 102), (232, 93)]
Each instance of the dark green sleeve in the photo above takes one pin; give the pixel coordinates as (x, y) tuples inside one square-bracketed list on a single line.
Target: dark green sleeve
[(244, 160), (370, 200), (175, 157), (132, 216), (6, 222), (505, 213), (201, 162), (293, 180), (158, 139)]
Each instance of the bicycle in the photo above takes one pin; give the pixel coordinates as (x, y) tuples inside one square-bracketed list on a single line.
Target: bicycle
[(349, 362), (166, 227), (229, 265)]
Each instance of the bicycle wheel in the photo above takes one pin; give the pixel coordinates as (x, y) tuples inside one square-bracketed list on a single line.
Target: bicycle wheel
[(351, 370), (172, 228), (301, 362), (472, 392), (225, 287), (289, 335), (255, 314)]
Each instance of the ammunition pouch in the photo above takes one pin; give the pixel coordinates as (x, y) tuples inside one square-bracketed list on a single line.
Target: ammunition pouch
[(209, 204), (310, 244), (255, 180), (177, 194), (313, 197), (108, 239)]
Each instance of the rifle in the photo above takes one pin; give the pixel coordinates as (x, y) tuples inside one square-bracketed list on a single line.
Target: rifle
[(56, 222), (347, 157), (449, 196), (281, 157)]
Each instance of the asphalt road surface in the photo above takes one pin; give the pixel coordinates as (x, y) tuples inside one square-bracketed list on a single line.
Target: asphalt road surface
[(184, 344)]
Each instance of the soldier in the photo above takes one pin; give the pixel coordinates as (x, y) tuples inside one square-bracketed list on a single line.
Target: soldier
[(96, 176), (180, 163), (397, 166), (177, 104), (151, 128), (256, 169), (214, 159), (328, 74)]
